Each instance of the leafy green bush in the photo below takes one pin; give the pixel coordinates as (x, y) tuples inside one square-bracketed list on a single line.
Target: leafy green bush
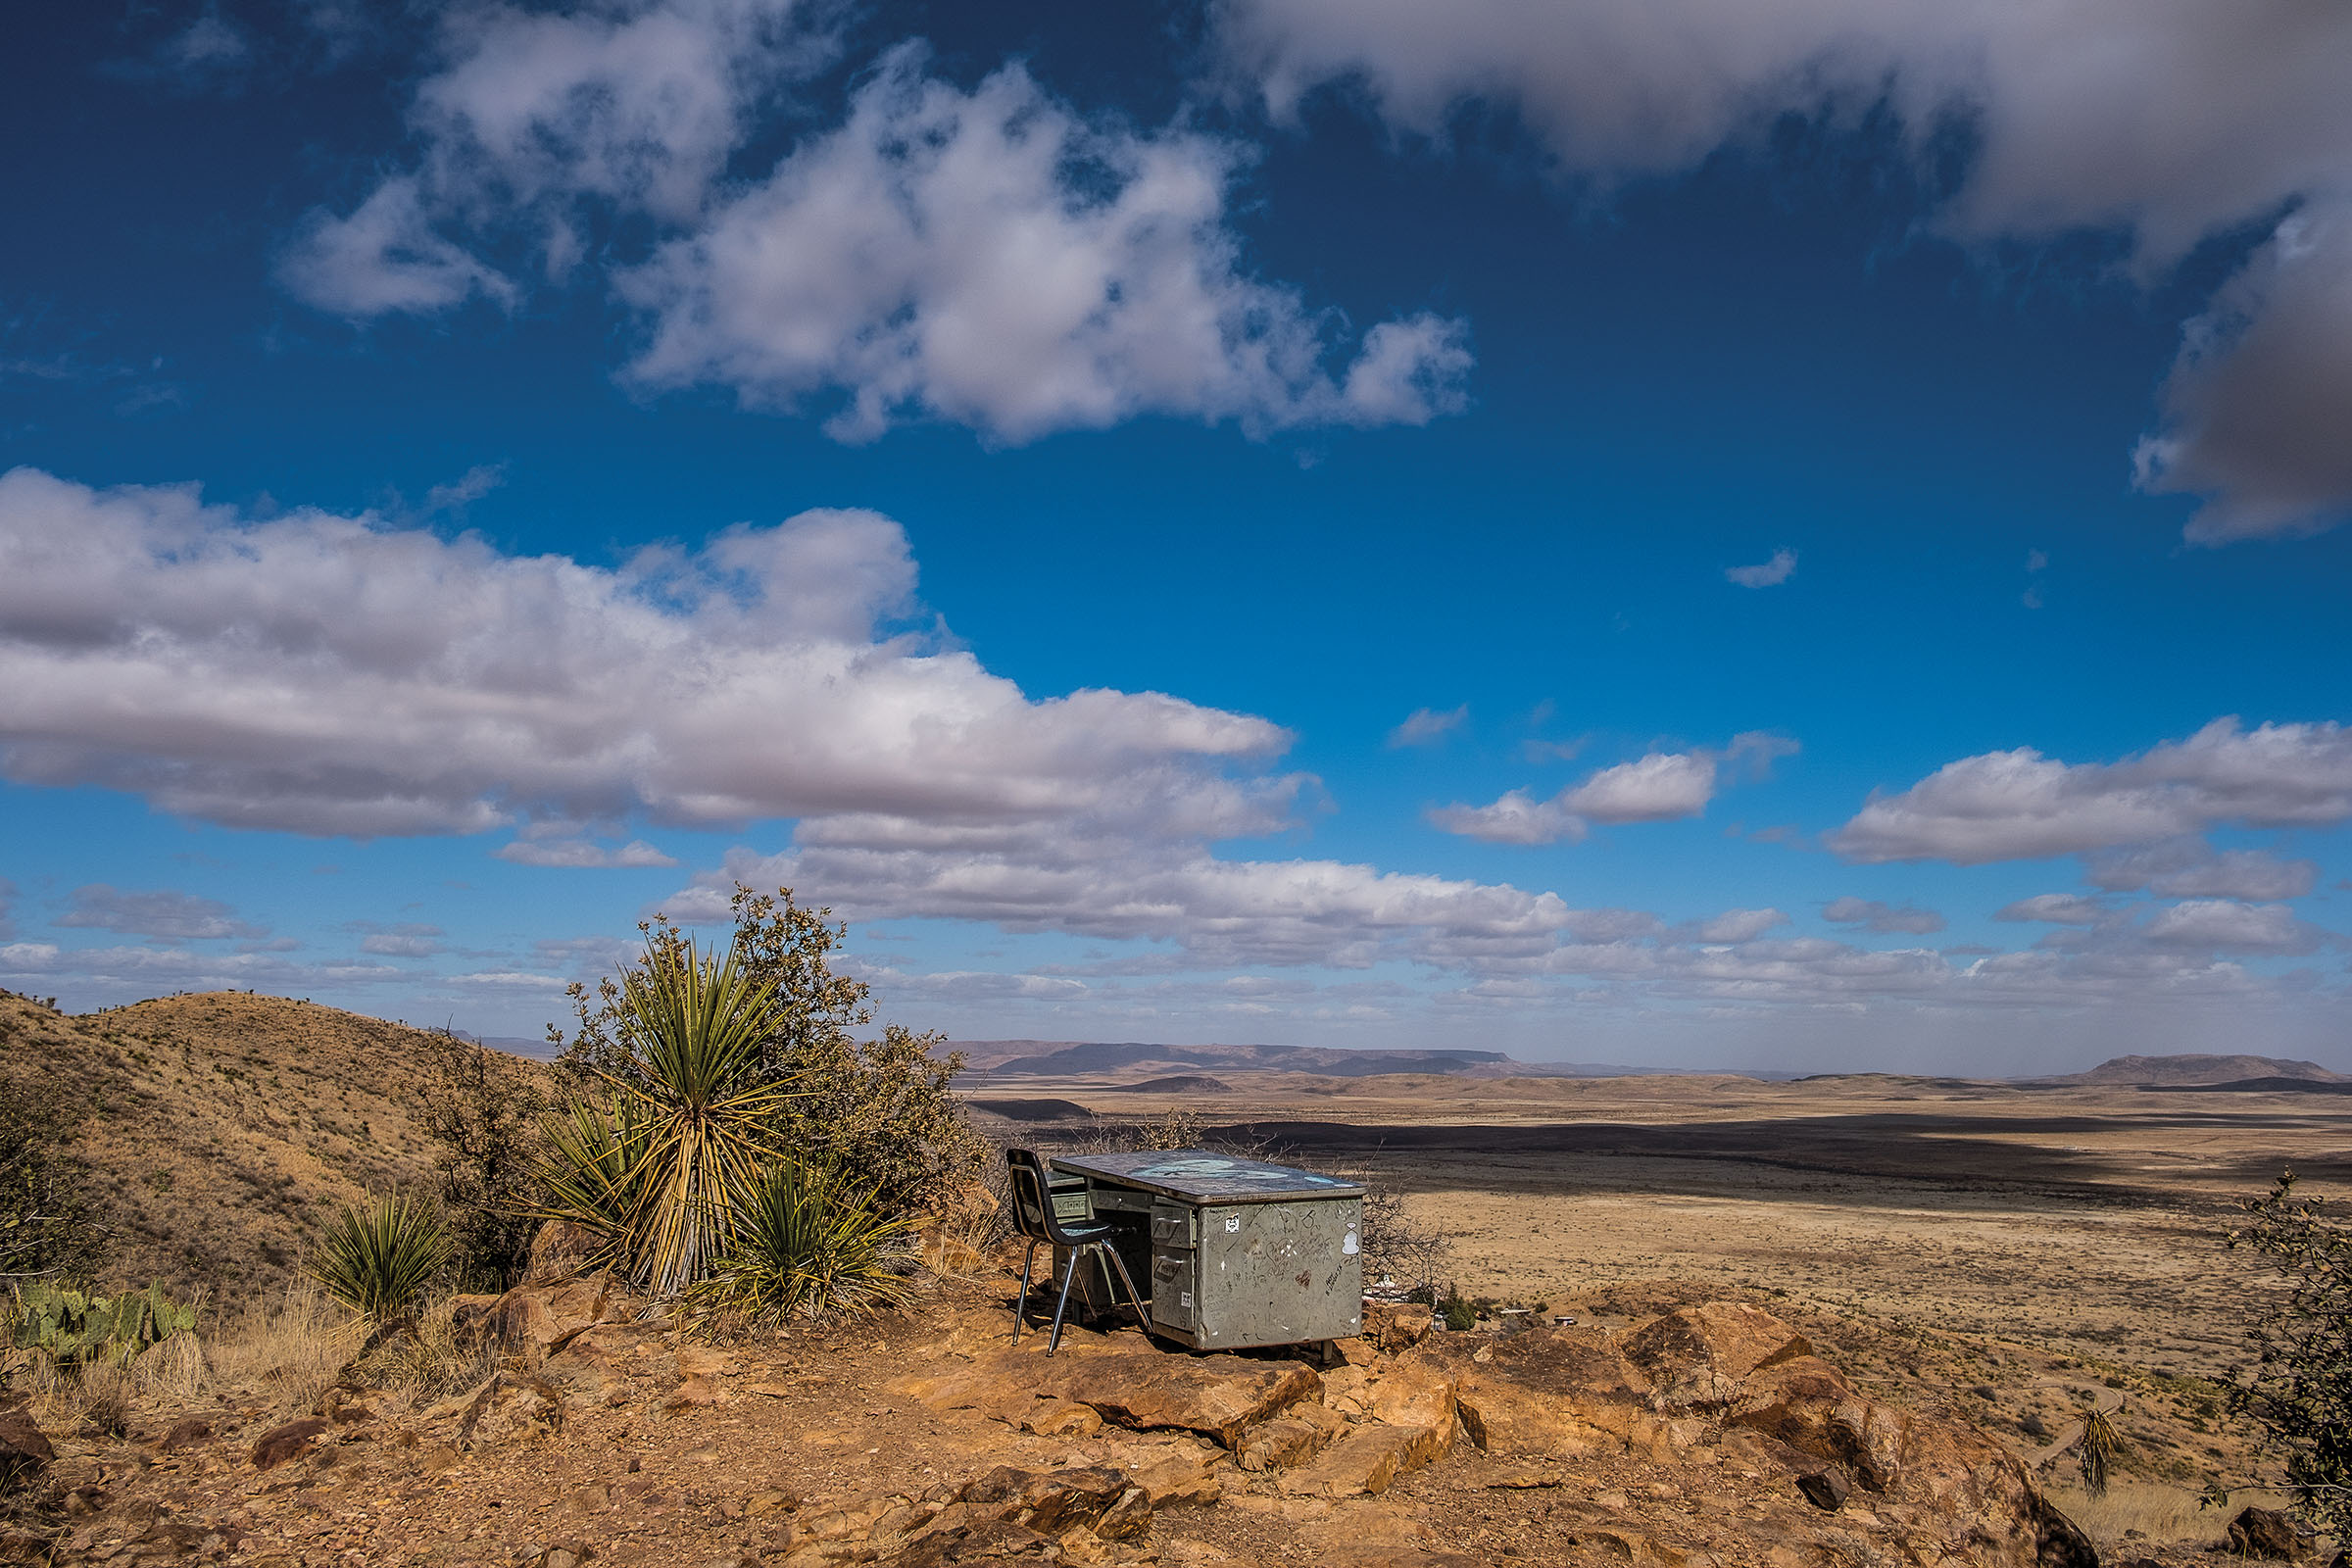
[(879, 1113), (1461, 1314), (2299, 1388), (378, 1259), (808, 1244)]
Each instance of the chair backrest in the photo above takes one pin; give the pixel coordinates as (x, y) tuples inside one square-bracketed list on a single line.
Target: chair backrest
[(1032, 1206)]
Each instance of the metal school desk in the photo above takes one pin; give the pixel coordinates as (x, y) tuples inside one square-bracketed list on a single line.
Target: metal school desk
[(1239, 1252)]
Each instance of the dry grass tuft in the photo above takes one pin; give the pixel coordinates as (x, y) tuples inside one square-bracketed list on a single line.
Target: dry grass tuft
[(174, 1371), (430, 1362), (292, 1348)]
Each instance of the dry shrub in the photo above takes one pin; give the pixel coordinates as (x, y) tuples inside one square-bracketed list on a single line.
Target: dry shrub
[(173, 1370), (103, 1392), (430, 1362), (292, 1347)]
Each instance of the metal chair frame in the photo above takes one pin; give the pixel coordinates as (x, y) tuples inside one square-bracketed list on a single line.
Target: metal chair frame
[(1034, 1217)]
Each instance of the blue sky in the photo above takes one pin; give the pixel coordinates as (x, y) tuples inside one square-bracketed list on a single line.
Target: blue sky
[(1797, 535)]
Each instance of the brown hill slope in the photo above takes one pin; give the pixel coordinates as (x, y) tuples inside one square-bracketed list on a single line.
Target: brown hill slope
[(224, 1128), (2195, 1070)]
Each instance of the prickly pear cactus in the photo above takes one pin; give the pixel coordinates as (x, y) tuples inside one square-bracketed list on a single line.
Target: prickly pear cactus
[(72, 1327)]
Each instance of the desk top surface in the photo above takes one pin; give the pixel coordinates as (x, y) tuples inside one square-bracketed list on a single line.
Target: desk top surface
[(1201, 1176)]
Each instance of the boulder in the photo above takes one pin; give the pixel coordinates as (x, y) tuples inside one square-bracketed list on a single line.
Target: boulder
[(510, 1408), (1807, 1404), (1697, 1357), (1825, 1489), (1394, 1326), (291, 1441), (1415, 1392), (561, 1250), (23, 1448), (2265, 1532), (1052, 1502), (1126, 1380), (1363, 1460), (1286, 1440), (544, 1317)]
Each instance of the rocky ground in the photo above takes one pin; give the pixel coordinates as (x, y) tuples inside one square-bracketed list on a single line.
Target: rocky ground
[(1705, 1434)]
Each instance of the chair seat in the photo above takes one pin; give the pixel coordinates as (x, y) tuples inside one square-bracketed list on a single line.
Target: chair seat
[(1070, 1234)]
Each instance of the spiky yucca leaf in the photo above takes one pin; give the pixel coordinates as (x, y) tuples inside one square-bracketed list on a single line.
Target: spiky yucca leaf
[(379, 1259), (805, 1246), (592, 1173), (662, 1168)]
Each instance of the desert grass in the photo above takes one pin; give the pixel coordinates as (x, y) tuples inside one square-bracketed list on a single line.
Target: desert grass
[(2159, 1512), (289, 1347)]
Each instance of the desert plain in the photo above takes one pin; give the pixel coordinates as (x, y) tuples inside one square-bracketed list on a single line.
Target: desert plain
[(2080, 1217)]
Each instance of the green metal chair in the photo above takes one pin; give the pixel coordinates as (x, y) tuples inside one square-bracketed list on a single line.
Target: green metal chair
[(1035, 1216)]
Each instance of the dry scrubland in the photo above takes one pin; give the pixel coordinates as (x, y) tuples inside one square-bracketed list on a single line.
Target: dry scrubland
[(2003, 1253), (2005, 1248), (224, 1128)]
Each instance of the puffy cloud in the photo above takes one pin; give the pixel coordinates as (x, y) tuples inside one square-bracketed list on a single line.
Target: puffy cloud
[(1874, 915), (988, 257), (163, 914), (2020, 804), (583, 854), (2223, 924), (384, 256), (323, 675), (2258, 408), (1517, 818), (1659, 787), (1426, 727), (409, 939), (1734, 926), (2057, 909), (2190, 868), (1071, 877), (2168, 120), (1766, 575)]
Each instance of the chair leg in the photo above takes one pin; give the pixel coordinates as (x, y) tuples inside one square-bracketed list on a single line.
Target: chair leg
[(1067, 1276), (1021, 1303), (1134, 1297)]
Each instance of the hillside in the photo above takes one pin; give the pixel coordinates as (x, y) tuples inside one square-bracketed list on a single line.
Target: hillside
[(225, 1128), (2192, 1070)]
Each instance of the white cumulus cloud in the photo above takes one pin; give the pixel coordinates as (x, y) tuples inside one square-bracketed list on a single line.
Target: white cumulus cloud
[(1658, 787), (990, 257), (2020, 804), (333, 675), (2169, 121)]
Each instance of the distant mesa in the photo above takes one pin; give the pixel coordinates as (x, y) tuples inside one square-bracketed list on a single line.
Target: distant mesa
[(1183, 1083), (1032, 1109), (2243, 1073), (987, 1059)]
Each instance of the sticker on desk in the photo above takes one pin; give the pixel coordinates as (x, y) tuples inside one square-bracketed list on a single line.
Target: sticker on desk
[(1184, 1297), (1348, 1244), (1233, 1222)]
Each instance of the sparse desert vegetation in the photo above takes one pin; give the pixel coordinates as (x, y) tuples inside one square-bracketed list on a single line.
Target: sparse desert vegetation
[(2036, 1265)]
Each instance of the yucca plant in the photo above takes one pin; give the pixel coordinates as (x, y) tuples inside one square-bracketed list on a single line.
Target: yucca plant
[(682, 1140), (379, 1259), (806, 1245)]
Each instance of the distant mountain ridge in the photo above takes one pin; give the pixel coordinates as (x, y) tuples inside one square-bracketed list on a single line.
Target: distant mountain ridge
[(2191, 1070), (1062, 1059)]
